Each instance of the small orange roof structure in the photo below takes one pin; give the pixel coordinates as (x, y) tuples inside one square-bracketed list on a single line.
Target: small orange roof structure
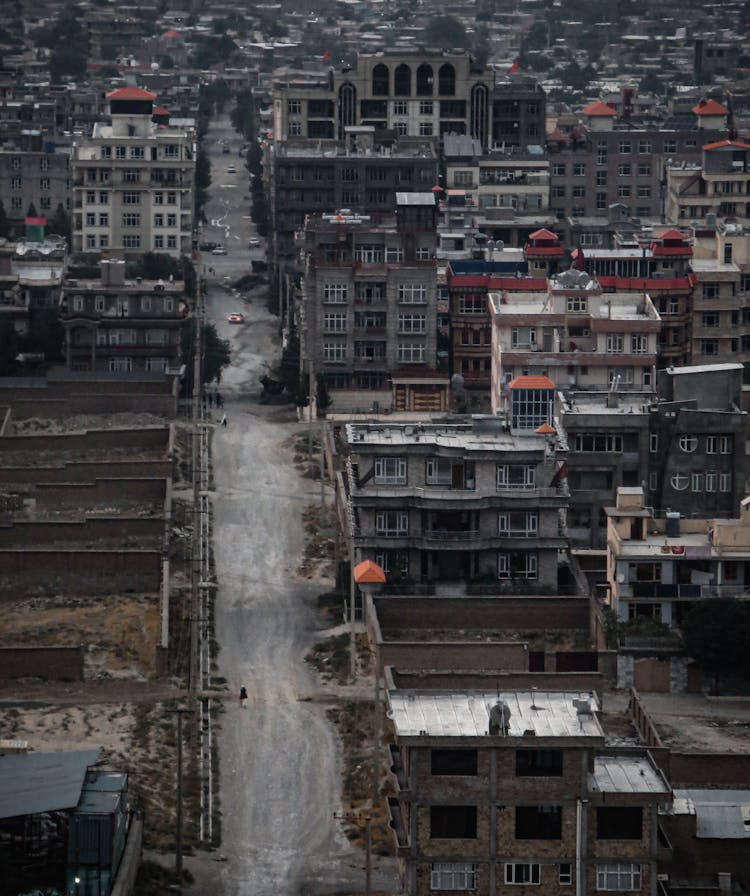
[(543, 234), (709, 107), (545, 430), (171, 33), (671, 234), (725, 144), (368, 573), (531, 382), (131, 93), (598, 109)]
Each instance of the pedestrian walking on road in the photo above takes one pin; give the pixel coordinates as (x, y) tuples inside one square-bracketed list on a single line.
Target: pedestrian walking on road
[(224, 420), (243, 695)]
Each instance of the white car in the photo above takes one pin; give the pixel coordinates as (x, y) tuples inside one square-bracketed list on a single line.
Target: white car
[(253, 243), (219, 250), (231, 169)]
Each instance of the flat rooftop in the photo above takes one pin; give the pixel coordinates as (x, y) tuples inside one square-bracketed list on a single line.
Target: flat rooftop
[(720, 814), (543, 713), (626, 773), (465, 437)]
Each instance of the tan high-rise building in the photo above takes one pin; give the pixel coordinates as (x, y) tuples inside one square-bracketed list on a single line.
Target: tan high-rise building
[(134, 182)]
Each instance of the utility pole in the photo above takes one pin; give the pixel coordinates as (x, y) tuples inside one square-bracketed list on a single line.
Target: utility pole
[(178, 833), (368, 857), (309, 409), (322, 467), (352, 600), (197, 406)]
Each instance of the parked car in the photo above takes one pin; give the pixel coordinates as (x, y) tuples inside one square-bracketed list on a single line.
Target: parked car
[(207, 247), (253, 243), (231, 169), (219, 250), (236, 318)]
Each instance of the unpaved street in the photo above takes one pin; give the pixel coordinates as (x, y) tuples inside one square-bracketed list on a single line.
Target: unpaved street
[(280, 780)]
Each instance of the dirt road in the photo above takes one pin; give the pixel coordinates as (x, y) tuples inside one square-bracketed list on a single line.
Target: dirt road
[(280, 775)]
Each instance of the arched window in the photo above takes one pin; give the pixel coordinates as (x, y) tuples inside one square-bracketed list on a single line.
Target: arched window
[(447, 80), (402, 80), (380, 80), (479, 107), (424, 80), (347, 107)]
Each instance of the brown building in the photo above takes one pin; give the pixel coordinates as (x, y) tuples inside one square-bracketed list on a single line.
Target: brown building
[(500, 790), (122, 326)]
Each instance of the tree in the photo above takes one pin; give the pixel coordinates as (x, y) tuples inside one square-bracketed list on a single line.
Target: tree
[(216, 354), (160, 266), (4, 223), (31, 212), (716, 633), (46, 334), (322, 396), (289, 370), (60, 222), (68, 42), (202, 181), (445, 32)]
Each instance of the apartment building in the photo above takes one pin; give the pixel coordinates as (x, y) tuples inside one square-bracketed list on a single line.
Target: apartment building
[(713, 187), (575, 334), (697, 441), (363, 174), (458, 502), (497, 791), (133, 182), (614, 160), (659, 567), (33, 173), (418, 93), (122, 326), (369, 306), (660, 262)]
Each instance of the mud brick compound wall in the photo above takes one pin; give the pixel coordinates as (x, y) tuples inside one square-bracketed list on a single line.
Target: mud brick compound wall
[(53, 571), (47, 663)]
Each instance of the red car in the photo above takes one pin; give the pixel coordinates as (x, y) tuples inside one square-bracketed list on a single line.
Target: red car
[(236, 318)]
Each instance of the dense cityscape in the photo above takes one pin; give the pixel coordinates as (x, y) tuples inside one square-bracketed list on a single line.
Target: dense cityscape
[(374, 382)]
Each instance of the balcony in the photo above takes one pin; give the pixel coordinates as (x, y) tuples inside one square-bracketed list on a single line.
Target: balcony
[(398, 824), (660, 591)]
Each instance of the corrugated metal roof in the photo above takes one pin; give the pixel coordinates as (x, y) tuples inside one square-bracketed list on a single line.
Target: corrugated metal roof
[(457, 714), (624, 773), (415, 198), (720, 814), (42, 782)]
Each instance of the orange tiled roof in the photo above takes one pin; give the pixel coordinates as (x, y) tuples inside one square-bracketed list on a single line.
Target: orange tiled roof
[(543, 234), (531, 382), (598, 109), (545, 430), (671, 235), (722, 144), (131, 93), (368, 573), (709, 107)]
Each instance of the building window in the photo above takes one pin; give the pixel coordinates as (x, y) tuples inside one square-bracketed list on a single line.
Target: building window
[(171, 198), (412, 323), (725, 444), (598, 442), (453, 762), (400, 107), (644, 147), (522, 873), (425, 107), (653, 442), (91, 241), (294, 107), (90, 197), (136, 152), (131, 242), (103, 241), (516, 564), (104, 220), (579, 192), (411, 353), (518, 523), (390, 471), (511, 476), (618, 876), (696, 482), (412, 293), (335, 293), (711, 444), (710, 347), (688, 444), (131, 198), (725, 482), (565, 874), (710, 319), (601, 178), (614, 343), (158, 220), (624, 170), (334, 352), (145, 303), (679, 481), (132, 219), (334, 322), (539, 763), (453, 822), (639, 345), (579, 169), (623, 191), (711, 290), (425, 129), (168, 305), (100, 303), (643, 191), (453, 876), (44, 183), (644, 170), (91, 220), (158, 241), (559, 169), (295, 129), (15, 183), (120, 365), (538, 822), (392, 523), (577, 304), (619, 823)]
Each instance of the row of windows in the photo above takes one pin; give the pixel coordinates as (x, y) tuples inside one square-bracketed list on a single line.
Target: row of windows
[(169, 151), (130, 219), (698, 482), (125, 365), (45, 203), (130, 337), (438, 471), (336, 322), (129, 242), (407, 353), (131, 197), (463, 875), (16, 183), (15, 163), (124, 304), (540, 822), (407, 293)]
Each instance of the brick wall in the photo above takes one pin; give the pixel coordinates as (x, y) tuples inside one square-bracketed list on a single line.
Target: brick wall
[(101, 491), (444, 655), (90, 531), (87, 471), (716, 770), (47, 663), (78, 571), (408, 677), (143, 439)]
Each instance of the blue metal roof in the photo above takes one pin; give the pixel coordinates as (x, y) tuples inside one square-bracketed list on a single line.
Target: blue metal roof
[(42, 782)]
